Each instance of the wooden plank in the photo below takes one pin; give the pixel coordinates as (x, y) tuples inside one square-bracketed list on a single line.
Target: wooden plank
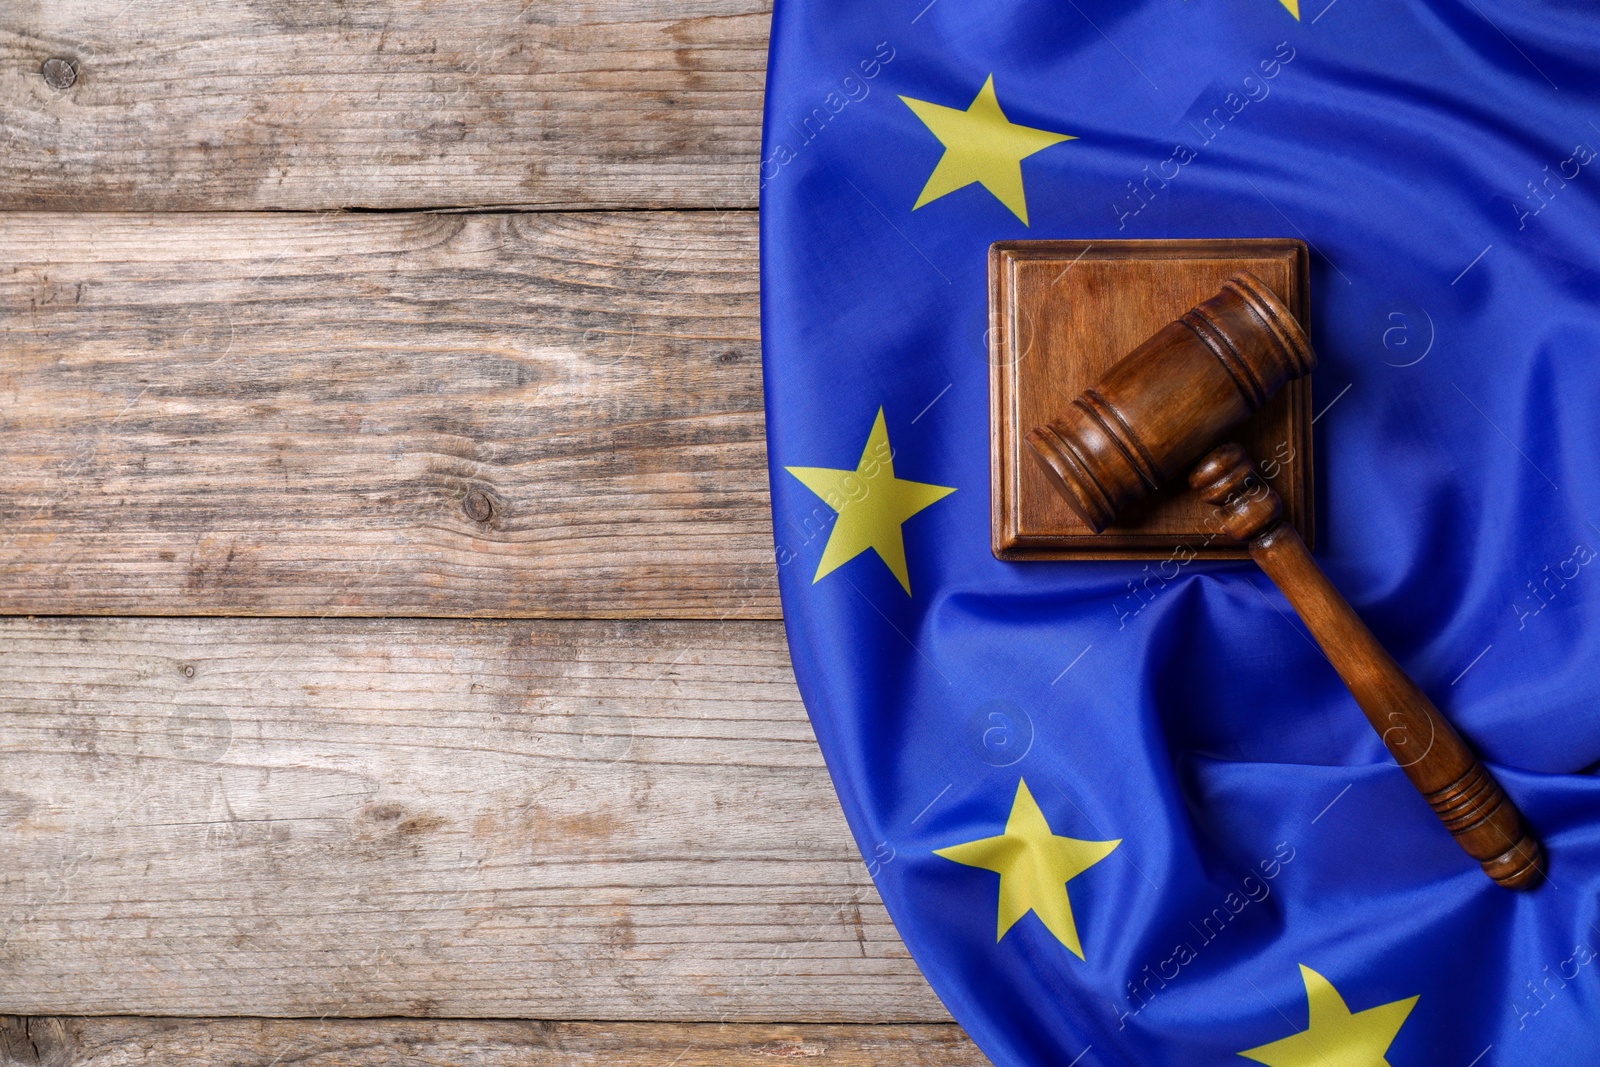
[(300, 415), (284, 104), (283, 817), (133, 1041)]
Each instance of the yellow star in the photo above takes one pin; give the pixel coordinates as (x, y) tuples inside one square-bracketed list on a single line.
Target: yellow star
[(1034, 866), (1336, 1037), (981, 145), (872, 503), (1293, 6)]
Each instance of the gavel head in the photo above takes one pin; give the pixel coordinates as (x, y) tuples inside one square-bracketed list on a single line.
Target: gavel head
[(1166, 403)]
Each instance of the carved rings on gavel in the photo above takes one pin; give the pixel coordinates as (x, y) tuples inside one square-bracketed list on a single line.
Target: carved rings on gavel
[(1173, 398)]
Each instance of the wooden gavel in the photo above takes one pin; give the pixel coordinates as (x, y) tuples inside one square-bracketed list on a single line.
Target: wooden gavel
[(1172, 399)]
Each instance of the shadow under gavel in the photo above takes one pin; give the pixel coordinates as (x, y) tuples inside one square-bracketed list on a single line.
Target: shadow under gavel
[(1165, 406)]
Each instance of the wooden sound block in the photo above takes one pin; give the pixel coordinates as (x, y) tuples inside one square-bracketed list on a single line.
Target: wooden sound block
[(1061, 313)]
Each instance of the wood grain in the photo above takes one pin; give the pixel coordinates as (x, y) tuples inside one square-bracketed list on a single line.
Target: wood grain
[(315, 104), (593, 820), (134, 1042), (290, 414)]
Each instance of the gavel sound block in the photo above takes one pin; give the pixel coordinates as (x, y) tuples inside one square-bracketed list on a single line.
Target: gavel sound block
[(1062, 312), (1165, 410)]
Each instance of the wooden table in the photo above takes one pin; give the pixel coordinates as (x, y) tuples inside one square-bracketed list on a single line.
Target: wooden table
[(390, 653)]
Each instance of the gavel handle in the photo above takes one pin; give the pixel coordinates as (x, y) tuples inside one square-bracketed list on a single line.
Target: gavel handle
[(1461, 791)]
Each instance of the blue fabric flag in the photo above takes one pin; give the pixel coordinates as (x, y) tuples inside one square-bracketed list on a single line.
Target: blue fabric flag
[(1151, 827)]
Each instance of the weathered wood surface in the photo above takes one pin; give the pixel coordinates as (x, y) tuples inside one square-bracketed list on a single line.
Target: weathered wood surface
[(593, 820), (137, 1042), (315, 104), (289, 415)]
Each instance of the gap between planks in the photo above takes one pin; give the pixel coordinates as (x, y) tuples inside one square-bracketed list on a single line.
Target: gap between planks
[(244, 1042)]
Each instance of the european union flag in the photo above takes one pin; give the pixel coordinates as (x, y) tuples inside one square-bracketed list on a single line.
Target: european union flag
[(1155, 831)]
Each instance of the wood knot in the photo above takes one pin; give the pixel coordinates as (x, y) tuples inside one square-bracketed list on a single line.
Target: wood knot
[(788, 1050), (478, 506), (35, 1042), (391, 821), (59, 73)]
